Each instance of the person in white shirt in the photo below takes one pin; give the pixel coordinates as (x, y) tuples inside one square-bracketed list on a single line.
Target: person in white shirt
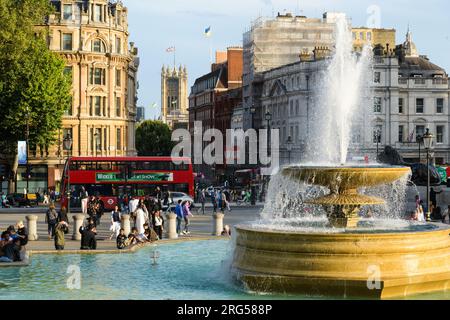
[(140, 219), (84, 200), (420, 213), (158, 224), (132, 206)]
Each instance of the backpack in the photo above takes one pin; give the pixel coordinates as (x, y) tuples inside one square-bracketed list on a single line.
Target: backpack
[(52, 216)]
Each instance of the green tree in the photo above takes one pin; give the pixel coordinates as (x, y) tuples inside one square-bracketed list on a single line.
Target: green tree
[(153, 138), (34, 89)]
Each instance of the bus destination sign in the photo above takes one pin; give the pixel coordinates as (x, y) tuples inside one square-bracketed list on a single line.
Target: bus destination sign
[(136, 177)]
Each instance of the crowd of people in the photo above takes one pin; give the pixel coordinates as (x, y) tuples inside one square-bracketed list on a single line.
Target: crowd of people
[(12, 243), (436, 214)]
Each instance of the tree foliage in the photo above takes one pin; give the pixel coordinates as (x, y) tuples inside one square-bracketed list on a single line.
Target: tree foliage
[(153, 138), (33, 86)]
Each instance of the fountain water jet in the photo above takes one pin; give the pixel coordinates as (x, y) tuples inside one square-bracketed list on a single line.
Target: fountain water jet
[(343, 258)]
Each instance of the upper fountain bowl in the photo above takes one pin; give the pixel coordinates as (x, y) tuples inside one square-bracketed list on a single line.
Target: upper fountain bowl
[(339, 179)]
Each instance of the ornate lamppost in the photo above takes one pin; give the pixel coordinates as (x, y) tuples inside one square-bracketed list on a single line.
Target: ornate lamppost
[(289, 144), (268, 117), (428, 144), (67, 143)]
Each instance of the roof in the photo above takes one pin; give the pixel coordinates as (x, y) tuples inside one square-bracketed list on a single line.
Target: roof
[(420, 64)]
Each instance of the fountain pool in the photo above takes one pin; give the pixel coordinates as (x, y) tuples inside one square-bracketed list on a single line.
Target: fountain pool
[(189, 270)]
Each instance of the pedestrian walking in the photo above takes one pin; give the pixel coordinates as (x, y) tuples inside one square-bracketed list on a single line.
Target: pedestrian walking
[(62, 215), (51, 218), (180, 217), (84, 196), (186, 215), (203, 200), (115, 222)]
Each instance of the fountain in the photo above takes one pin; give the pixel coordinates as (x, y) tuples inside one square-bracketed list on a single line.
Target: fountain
[(348, 256)]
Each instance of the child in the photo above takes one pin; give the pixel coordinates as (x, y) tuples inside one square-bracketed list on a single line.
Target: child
[(121, 239)]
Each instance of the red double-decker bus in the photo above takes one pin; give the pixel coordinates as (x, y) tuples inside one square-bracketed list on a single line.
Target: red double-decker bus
[(115, 179)]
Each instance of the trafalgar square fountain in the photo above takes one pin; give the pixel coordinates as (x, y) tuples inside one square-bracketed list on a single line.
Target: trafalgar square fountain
[(321, 246)]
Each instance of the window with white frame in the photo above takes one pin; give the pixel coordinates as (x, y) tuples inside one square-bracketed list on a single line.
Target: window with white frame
[(377, 105), (440, 134), (439, 105)]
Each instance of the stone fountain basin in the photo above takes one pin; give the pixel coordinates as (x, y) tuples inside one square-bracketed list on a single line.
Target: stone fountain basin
[(346, 177), (363, 265)]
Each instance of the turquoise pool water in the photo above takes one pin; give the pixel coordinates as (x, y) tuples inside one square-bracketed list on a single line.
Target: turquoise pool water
[(189, 270)]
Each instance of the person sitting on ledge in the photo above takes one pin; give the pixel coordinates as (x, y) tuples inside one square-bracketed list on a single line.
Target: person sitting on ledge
[(226, 231), (22, 233), (12, 251), (4, 240), (135, 238), (88, 241), (121, 240)]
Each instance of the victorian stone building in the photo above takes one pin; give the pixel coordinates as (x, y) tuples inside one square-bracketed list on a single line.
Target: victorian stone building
[(409, 94), (92, 36)]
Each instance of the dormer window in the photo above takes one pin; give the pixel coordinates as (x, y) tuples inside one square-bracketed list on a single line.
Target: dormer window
[(67, 13), (98, 13)]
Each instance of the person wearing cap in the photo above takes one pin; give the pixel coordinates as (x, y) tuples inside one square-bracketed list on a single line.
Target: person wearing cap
[(22, 233)]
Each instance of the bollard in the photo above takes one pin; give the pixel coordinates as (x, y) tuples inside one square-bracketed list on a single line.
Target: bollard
[(32, 227), (77, 223), (125, 224), (217, 224), (172, 229)]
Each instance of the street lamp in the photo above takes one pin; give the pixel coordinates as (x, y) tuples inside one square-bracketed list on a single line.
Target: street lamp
[(27, 133), (268, 117), (253, 112), (428, 143), (289, 144), (378, 137), (419, 140), (97, 143), (67, 143)]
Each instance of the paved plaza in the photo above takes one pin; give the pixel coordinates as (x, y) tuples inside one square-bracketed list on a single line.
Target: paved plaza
[(201, 226)]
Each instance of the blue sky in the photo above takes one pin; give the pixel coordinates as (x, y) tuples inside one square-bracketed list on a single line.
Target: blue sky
[(156, 25)]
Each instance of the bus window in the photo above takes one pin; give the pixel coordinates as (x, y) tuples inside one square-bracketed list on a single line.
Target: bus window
[(104, 166), (100, 190)]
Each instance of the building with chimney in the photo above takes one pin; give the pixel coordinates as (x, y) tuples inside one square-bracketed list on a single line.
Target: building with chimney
[(213, 99)]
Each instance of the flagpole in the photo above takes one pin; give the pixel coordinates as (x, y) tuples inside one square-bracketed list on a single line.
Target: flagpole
[(210, 52), (174, 58)]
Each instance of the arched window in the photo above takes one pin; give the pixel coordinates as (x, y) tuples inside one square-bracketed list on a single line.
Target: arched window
[(98, 46)]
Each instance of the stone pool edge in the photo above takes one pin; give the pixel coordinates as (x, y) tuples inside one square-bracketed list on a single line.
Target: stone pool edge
[(105, 251)]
